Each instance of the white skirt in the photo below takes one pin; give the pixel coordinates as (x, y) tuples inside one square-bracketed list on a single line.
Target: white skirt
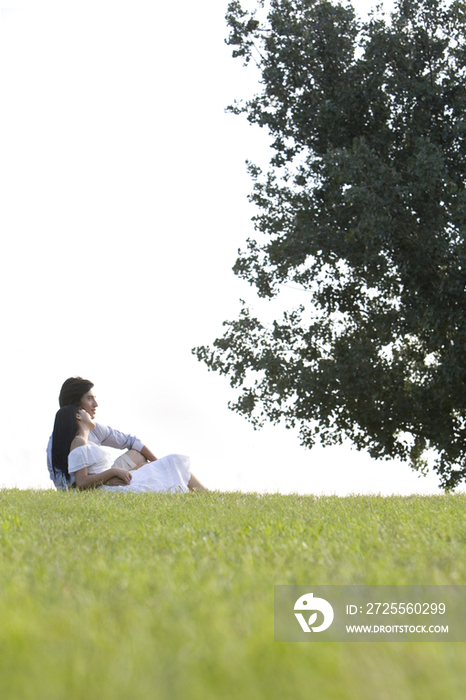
[(168, 474)]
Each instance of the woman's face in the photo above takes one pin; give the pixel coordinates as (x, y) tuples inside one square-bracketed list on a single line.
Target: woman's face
[(85, 419)]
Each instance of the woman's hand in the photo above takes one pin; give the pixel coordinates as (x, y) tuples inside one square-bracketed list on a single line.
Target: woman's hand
[(120, 477), (111, 477)]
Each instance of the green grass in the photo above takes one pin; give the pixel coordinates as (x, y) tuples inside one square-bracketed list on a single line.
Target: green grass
[(171, 596)]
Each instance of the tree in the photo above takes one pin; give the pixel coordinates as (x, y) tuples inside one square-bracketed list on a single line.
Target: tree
[(363, 207)]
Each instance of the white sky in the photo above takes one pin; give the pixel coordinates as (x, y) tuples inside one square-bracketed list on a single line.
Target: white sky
[(123, 201)]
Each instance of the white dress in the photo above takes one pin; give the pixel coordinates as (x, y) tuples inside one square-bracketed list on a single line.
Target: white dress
[(169, 473)]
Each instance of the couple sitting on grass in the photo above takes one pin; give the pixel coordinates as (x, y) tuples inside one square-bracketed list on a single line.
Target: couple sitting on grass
[(76, 459)]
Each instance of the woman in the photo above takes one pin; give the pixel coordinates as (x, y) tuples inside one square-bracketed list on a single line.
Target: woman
[(92, 465)]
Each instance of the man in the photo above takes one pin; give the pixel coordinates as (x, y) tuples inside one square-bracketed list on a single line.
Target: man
[(78, 391)]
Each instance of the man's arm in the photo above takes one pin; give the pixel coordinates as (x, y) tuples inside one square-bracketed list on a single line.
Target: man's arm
[(108, 437), (150, 456)]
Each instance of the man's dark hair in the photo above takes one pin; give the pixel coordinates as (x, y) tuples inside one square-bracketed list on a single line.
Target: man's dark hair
[(73, 390)]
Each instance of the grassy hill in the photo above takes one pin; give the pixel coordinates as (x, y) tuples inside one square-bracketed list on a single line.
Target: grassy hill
[(138, 596)]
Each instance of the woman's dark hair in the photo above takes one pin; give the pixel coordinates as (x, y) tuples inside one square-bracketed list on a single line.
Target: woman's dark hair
[(64, 432), (73, 390)]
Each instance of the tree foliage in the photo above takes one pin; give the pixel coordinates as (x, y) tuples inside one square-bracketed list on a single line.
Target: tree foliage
[(363, 207)]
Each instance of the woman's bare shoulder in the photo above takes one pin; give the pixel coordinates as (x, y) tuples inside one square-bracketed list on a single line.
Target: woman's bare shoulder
[(78, 442)]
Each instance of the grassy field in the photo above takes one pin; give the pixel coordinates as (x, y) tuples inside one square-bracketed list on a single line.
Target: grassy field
[(171, 596)]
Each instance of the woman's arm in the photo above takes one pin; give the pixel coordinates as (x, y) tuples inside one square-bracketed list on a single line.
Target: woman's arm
[(88, 481)]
